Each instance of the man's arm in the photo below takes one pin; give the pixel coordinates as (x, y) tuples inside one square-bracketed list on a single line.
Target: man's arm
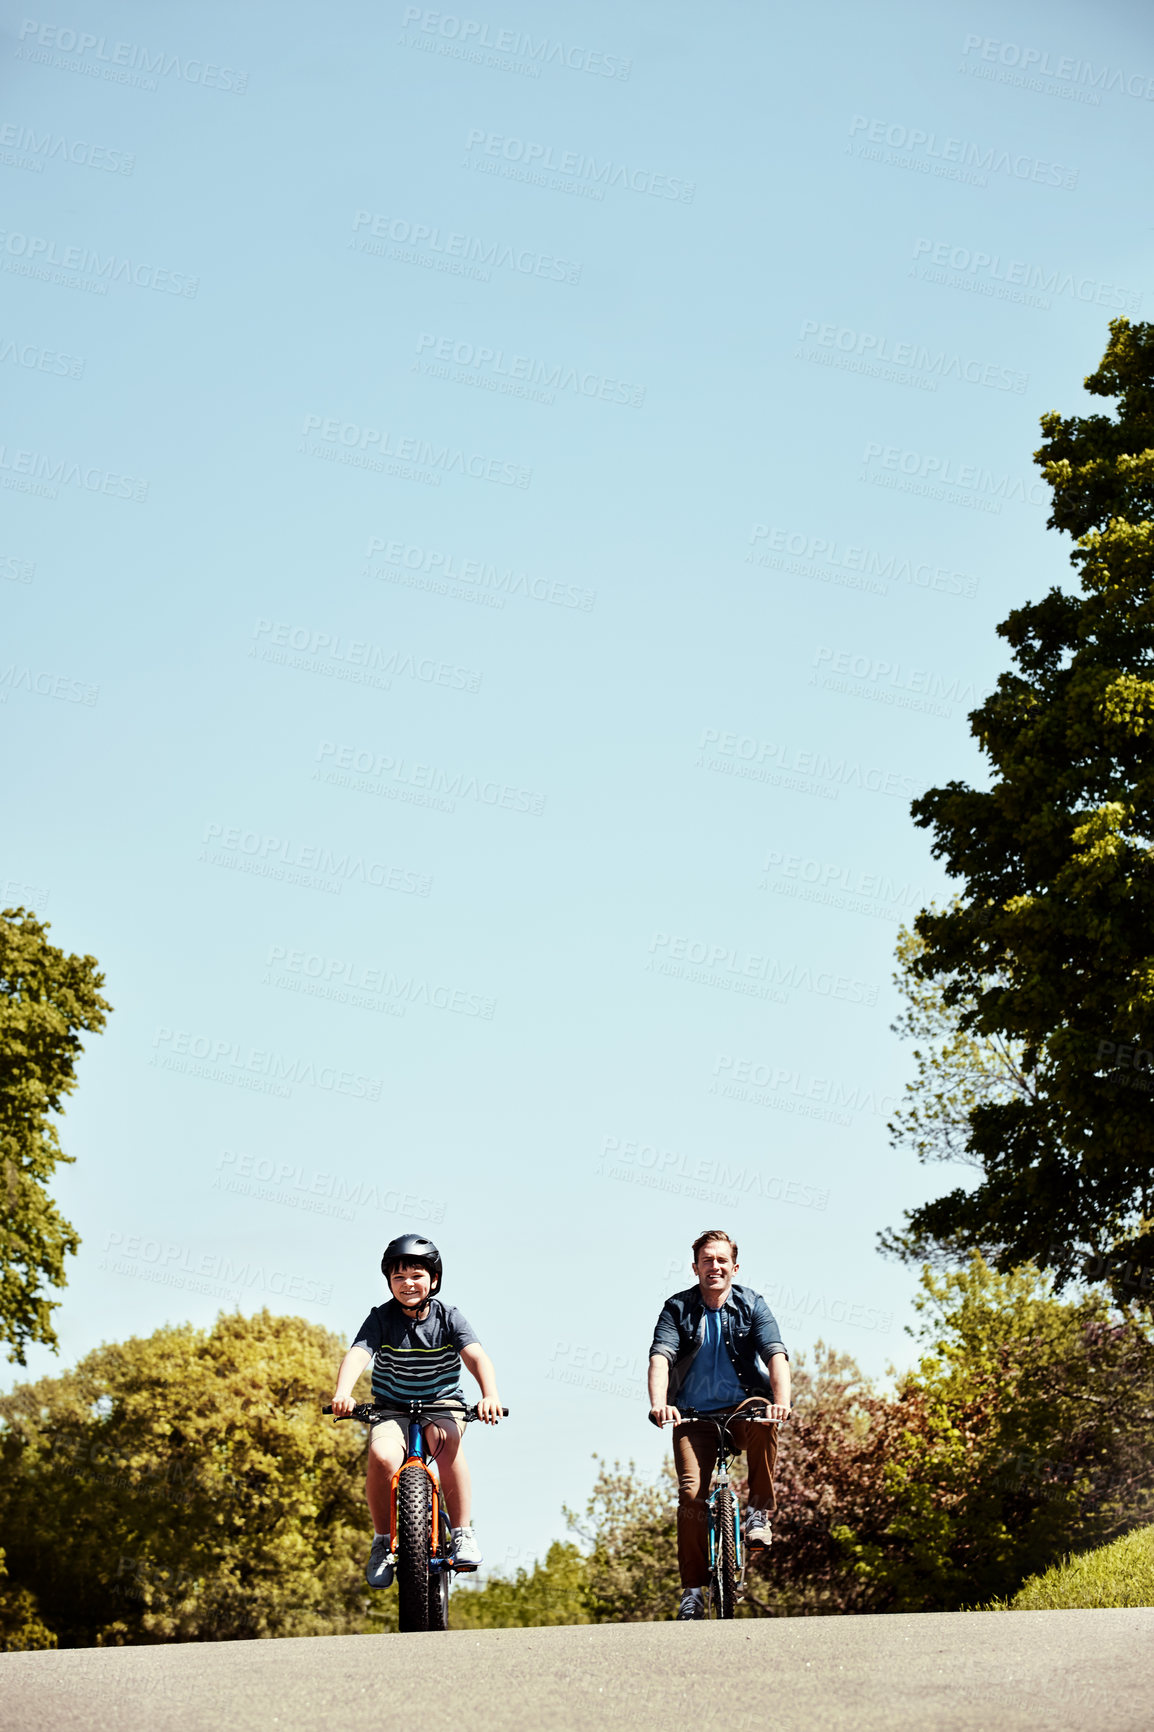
[(781, 1385), (353, 1363), (659, 1409), (481, 1368)]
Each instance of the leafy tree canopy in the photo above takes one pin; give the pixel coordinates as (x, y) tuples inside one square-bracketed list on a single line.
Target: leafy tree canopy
[(1047, 952), (46, 998), (185, 1487)]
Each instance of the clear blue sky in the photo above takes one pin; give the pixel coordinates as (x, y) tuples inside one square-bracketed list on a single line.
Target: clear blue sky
[(503, 510)]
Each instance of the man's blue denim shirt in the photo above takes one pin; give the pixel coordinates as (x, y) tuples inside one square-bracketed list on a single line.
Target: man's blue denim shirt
[(748, 1328)]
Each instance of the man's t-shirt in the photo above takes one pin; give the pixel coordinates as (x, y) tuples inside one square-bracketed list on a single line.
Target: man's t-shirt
[(711, 1382), (415, 1361)]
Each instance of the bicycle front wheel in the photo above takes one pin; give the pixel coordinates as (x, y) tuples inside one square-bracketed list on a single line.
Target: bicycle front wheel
[(412, 1542), (725, 1557)]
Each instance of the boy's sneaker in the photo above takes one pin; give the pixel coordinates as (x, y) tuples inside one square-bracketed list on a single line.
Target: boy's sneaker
[(466, 1551), (758, 1532), (692, 1605), (379, 1569)]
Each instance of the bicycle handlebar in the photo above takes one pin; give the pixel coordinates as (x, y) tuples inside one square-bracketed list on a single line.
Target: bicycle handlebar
[(716, 1418), (370, 1415)]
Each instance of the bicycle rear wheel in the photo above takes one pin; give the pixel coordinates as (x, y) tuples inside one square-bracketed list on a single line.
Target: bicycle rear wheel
[(725, 1565), (439, 1580), (412, 1543)]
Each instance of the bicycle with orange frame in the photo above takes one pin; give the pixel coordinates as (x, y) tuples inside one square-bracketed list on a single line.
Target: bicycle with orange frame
[(420, 1536)]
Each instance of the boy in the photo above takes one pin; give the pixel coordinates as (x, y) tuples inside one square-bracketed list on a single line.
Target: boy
[(415, 1344)]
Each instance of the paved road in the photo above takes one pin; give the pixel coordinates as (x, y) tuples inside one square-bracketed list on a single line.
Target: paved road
[(937, 1672)]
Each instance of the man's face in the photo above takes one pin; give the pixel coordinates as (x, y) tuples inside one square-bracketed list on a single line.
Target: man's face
[(715, 1268), (410, 1283)]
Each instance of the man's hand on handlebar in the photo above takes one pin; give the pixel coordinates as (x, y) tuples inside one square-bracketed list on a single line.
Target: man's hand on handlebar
[(775, 1413), (664, 1416)]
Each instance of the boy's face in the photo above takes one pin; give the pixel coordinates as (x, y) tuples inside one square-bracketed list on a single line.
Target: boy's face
[(410, 1283)]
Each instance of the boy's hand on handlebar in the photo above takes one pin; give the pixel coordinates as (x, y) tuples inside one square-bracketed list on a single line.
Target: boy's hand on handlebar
[(665, 1416), (489, 1409), (342, 1406)]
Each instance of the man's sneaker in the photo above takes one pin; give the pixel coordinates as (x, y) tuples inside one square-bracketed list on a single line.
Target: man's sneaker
[(466, 1551), (758, 1532), (692, 1605), (379, 1569)]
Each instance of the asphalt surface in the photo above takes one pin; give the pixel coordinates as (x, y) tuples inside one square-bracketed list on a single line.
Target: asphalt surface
[(936, 1672)]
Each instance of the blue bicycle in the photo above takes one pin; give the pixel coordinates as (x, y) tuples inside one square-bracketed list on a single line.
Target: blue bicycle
[(726, 1545)]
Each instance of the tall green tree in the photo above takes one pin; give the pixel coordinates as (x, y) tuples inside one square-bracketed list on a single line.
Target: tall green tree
[(46, 999), (185, 1487), (1048, 948)]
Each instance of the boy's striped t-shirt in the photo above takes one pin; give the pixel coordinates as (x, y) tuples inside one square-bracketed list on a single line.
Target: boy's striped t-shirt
[(415, 1361)]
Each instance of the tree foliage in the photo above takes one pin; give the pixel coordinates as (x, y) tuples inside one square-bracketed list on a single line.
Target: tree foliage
[(186, 1487), (1049, 947), (1023, 1433), (630, 1527), (554, 1592), (46, 998)]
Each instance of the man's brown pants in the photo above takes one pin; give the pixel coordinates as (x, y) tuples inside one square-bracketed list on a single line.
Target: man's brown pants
[(694, 1454)]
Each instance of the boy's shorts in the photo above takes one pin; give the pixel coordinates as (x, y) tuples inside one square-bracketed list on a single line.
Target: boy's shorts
[(443, 1416)]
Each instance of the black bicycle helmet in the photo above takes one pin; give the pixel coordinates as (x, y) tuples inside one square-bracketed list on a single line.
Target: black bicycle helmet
[(411, 1248)]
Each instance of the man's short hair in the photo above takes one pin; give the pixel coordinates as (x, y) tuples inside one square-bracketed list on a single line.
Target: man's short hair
[(704, 1239)]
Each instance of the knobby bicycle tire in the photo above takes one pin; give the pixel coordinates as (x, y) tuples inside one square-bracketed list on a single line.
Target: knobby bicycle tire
[(413, 1585), (439, 1581), (725, 1568)]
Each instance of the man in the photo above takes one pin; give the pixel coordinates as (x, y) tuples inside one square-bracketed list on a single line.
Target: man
[(715, 1345)]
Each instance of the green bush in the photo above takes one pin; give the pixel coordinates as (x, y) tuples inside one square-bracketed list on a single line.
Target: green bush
[(1120, 1574)]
